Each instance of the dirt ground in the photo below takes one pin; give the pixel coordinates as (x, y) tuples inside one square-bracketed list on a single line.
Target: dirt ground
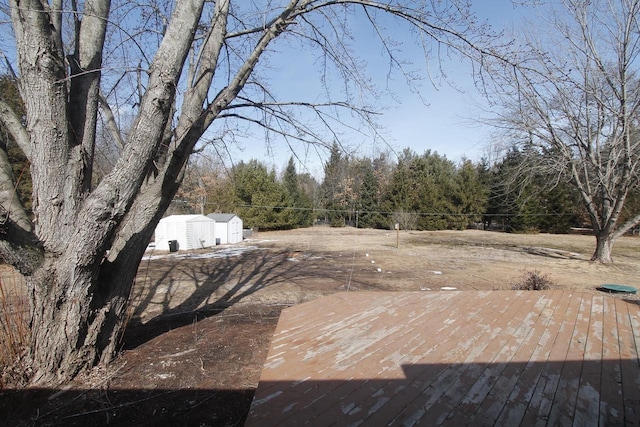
[(202, 322)]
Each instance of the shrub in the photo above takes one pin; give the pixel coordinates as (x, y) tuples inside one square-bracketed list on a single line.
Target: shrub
[(533, 281)]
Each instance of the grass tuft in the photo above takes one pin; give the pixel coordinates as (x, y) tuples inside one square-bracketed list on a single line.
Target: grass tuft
[(533, 281)]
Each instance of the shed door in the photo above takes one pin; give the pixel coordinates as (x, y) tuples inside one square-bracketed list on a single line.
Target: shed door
[(235, 230)]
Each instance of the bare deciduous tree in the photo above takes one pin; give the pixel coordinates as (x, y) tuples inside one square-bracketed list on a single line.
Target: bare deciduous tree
[(574, 102), (180, 69), (404, 220)]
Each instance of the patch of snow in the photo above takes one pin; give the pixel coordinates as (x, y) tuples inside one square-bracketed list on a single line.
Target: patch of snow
[(228, 252)]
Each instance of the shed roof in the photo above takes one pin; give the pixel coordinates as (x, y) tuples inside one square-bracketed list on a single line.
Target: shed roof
[(221, 217), (185, 218)]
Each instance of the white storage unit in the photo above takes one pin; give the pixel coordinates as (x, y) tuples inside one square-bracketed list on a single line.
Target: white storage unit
[(228, 227), (190, 232)]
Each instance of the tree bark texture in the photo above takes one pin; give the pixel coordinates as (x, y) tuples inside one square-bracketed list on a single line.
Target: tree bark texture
[(604, 245)]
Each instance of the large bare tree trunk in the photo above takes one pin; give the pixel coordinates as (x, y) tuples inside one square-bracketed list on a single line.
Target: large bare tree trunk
[(79, 315), (607, 236), (79, 298), (604, 245), (76, 321)]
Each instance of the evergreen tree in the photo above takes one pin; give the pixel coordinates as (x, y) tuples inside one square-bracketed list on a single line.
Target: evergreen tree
[(561, 204), (335, 186), (559, 199), (508, 197), (434, 183), (531, 204), (400, 191), (263, 202), (301, 209), (424, 185), (310, 189), (382, 169), (368, 207), (470, 195)]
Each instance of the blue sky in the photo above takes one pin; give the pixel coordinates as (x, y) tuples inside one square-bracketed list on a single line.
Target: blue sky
[(445, 124)]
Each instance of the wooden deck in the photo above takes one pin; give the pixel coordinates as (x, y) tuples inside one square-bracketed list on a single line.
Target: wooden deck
[(507, 358)]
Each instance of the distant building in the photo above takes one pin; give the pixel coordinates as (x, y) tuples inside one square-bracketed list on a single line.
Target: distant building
[(183, 232), (228, 227)]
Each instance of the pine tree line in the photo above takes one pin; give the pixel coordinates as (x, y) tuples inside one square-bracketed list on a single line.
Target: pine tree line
[(416, 191)]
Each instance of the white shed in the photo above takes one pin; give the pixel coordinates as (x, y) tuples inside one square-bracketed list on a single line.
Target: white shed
[(228, 227), (190, 231)]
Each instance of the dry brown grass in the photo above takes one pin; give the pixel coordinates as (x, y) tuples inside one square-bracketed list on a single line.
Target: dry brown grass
[(14, 329)]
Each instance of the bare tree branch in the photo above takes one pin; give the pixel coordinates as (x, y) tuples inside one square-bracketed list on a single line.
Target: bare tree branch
[(15, 127), (112, 124), (577, 97)]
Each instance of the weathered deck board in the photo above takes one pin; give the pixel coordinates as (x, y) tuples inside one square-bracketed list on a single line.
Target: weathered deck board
[(453, 358), (529, 368), (628, 339), (611, 375)]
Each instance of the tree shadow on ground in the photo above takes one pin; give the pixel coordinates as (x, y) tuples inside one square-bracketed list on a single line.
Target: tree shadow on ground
[(187, 291), (522, 393), (197, 340), (157, 407)]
